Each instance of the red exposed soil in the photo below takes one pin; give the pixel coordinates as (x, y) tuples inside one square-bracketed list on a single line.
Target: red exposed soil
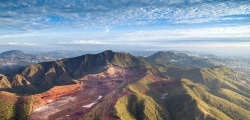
[(54, 93), (53, 104)]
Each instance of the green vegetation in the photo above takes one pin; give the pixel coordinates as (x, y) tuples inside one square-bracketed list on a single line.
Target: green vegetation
[(70, 110), (184, 61), (161, 56), (128, 60), (201, 93), (206, 104), (99, 110), (131, 107), (98, 118), (158, 72), (122, 88), (142, 86), (41, 77), (140, 106), (22, 108), (14, 107), (6, 110), (195, 94)]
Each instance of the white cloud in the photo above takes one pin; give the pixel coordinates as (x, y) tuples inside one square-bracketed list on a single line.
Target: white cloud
[(83, 42), (138, 37), (9, 23), (18, 34), (204, 45), (186, 38), (183, 34), (61, 42), (29, 43), (15, 43), (89, 14), (11, 43), (107, 30)]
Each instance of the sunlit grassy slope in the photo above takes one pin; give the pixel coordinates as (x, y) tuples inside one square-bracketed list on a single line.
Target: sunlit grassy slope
[(14, 107), (4, 83), (194, 94), (138, 107)]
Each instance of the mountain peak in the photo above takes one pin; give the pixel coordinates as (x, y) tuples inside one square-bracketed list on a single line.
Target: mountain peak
[(12, 52), (165, 53), (64, 71), (161, 55), (108, 51)]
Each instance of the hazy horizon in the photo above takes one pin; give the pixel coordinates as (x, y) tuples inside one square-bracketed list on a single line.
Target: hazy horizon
[(139, 52)]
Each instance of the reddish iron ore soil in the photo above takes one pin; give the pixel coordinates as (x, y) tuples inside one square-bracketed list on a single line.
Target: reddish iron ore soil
[(54, 93), (54, 104)]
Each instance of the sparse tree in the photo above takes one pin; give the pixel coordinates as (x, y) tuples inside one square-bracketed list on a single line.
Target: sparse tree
[(70, 110), (98, 118)]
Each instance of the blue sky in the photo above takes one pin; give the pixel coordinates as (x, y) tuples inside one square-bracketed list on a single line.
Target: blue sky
[(196, 25)]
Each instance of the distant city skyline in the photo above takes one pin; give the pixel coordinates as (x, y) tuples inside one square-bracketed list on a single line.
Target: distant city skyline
[(194, 25)]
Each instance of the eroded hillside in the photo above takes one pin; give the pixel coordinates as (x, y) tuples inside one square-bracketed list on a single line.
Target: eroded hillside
[(81, 97)]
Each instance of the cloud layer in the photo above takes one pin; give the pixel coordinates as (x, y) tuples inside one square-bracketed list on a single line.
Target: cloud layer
[(216, 33), (44, 14), (128, 24)]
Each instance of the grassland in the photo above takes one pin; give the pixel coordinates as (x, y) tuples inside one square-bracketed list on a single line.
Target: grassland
[(14, 107), (201, 93)]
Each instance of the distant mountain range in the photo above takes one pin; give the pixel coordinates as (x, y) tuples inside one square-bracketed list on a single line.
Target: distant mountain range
[(182, 60), (12, 52), (15, 59), (61, 54)]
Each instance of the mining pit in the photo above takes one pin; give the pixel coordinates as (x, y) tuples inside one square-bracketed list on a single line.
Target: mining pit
[(72, 102)]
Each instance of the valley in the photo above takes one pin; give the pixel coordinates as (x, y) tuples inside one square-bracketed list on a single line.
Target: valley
[(81, 98)]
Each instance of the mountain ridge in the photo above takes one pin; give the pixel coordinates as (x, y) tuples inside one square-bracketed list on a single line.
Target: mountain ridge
[(199, 93), (182, 60), (63, 72), (12, 52)]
